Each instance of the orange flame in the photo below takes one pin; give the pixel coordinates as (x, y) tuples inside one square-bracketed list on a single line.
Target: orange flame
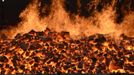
[(59, 20)]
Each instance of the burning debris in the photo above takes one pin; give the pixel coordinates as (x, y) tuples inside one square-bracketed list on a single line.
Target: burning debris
[(56, 52)]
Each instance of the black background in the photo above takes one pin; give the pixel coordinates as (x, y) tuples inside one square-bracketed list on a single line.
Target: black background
[(10, 10)]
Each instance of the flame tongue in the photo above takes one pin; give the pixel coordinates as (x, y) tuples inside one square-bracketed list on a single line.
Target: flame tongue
[(60, 20)]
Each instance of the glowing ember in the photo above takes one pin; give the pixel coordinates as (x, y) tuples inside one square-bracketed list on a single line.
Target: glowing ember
[(52, 52)]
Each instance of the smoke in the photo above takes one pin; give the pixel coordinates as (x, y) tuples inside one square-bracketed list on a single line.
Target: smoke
[(59, 20)]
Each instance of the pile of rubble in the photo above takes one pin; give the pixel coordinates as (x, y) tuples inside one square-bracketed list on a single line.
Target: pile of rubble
[(53, 53)]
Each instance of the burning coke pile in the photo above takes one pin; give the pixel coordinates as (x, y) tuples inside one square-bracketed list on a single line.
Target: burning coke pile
[(51, 52), (58, 43)]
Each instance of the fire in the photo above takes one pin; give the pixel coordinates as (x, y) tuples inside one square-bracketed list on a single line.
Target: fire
[(59, 20), (47, 53), (58, 43)]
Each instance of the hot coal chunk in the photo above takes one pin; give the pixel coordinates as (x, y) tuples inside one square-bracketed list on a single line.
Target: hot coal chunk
[(129, 67), (80, 65), (60, 46), (28, 36), (34, 45), (48, 39), (32, 32), (3, 59), (100, 38), (36, 59), (91, 37), (18, 36), (40, 33), (14, 60), (64, 34), (24, 46)]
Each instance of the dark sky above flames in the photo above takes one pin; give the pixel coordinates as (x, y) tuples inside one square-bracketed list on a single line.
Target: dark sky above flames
[(10, 9)]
